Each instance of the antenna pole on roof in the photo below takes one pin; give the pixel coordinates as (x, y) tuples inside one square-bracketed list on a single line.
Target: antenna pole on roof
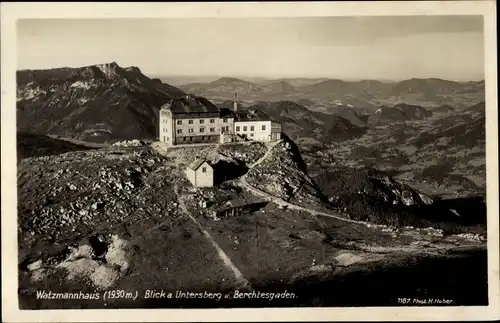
[(235, 102)]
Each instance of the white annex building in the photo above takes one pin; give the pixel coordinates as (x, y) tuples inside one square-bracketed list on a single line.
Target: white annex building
[(192, 119), (200, 173)]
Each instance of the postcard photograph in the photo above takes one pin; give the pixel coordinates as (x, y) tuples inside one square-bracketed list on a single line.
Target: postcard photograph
[(251, 162)]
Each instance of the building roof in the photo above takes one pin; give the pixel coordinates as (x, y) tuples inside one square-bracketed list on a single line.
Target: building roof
[(226, 113), (252, 115), (239, 203), (197, 163), (191, 104)]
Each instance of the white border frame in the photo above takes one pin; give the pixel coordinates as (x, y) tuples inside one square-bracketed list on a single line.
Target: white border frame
[(10, 12)]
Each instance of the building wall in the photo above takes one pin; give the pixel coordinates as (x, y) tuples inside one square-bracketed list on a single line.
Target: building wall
[(204, 179), (196, 127), (226, 124), (175, 130), (200, 130), (199, 178), (258, 133), (165, 127), (183, 140), (191, 175), (275, 131)]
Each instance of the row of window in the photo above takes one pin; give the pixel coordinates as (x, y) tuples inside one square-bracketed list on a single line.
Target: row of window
[(201, 130), (191, 138), (202, 121), (192, 130), (252, 128)]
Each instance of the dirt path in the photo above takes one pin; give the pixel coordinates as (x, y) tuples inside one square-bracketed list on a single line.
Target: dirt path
[(270, 148), (241, 281), (279, 201)]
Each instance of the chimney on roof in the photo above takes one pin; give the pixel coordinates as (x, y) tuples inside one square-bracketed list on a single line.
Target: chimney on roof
[(235, 102)]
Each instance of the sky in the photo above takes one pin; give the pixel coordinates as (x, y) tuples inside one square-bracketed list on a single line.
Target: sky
[(366, 47)]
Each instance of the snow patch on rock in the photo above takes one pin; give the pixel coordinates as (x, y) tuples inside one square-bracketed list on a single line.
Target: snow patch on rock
[(82, 85)]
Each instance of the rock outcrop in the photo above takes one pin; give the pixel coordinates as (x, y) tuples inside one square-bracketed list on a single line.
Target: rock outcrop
[(94, 103), (284, 175)]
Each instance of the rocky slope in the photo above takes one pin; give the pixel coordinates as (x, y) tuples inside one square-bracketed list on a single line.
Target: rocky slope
[(60, 196), (284, 175), (105, 218), (414, 112), (466, 132), (95, 103), (71, 197)]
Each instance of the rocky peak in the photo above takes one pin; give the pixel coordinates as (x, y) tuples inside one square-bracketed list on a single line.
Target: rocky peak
[(133, 69), (116, 103), (111, 70)]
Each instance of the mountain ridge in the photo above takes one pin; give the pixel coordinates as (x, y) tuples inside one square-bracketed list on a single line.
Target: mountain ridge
[(97, 102), (364, 93)]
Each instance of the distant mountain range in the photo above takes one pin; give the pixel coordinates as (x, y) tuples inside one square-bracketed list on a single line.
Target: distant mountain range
[(107, 102), (367, 94)]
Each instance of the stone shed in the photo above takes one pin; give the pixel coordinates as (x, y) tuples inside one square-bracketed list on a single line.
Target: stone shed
[(200, 173)]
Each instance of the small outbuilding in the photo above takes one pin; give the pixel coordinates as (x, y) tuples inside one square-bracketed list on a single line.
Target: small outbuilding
[(238, 207), (200, 173)]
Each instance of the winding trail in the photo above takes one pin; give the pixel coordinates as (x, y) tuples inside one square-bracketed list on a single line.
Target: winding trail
[(280, 201), (270, 148)]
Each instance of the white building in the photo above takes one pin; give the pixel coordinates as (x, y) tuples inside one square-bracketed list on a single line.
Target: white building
[(192, 119), (256, 125), (200, 173)]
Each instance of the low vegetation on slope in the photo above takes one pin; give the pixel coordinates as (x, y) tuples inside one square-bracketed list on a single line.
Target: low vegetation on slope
[(34, 145), (442, 155), (398, 113), (299, 122), (370, 195)]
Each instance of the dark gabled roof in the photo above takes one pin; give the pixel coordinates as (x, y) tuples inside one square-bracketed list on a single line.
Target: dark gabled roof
[(197, 163), (226, 113), (239, 203), (191, 104), (252, 115)]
